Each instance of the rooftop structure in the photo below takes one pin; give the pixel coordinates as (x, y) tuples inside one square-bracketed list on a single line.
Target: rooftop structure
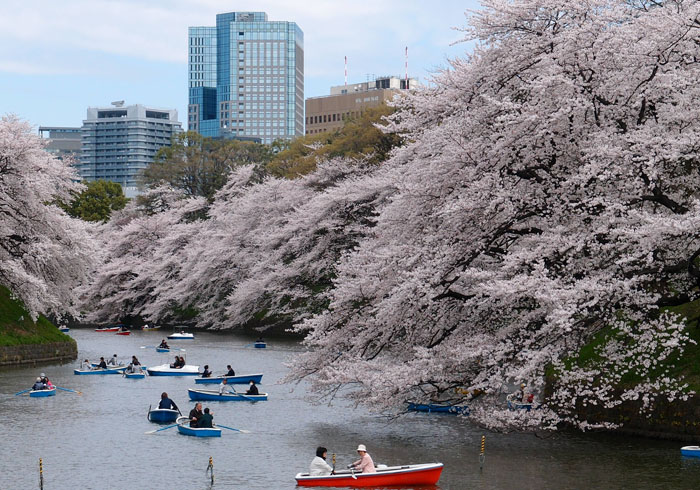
[(62, 142)]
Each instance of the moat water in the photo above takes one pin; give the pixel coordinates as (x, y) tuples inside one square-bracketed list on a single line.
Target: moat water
[(96, 440)]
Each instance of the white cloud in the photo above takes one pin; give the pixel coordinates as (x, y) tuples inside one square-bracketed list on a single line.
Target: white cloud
[(371, 33)]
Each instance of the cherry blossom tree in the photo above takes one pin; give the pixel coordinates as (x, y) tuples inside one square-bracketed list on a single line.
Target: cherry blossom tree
[(261, 253), (144, 248), (297, 249), (44, 254), (547, 195)]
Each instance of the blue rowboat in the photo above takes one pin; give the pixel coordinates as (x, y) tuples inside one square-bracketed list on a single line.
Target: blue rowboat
[(166, 370), (162, 415), (692, 451), (115, 370), (514, 404), (42, 393), (63, 329), (242, 379), (162, 349), (259, 345), (183, 428), (210, 395), (439, 408), (140, 375)]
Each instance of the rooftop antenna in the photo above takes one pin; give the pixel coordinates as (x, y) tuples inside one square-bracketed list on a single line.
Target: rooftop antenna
[(406, 66), (346, 72), (118, 103)]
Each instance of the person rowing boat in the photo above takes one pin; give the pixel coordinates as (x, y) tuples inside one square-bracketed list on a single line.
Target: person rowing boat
[(365, 463), (167, 403), (224, 388), (195, 415)]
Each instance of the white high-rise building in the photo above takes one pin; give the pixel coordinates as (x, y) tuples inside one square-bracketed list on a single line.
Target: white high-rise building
[(119, 142)]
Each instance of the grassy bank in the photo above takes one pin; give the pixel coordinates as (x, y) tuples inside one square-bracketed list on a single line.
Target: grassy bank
[(686, 365), (18, 328)]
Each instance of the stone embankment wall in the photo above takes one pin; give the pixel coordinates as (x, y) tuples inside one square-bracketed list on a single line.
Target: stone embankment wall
[(15, 355), (678, 420)]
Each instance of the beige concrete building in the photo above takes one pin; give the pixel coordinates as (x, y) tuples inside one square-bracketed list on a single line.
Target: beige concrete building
[(329, 112)]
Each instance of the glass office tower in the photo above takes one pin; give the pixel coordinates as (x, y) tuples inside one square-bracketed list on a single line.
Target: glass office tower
[(246, 78)]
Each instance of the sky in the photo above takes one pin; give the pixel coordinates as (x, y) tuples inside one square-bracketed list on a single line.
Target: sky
[(57, 58)]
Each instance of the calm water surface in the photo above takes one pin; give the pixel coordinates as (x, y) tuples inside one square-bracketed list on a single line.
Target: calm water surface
[(97, 440)]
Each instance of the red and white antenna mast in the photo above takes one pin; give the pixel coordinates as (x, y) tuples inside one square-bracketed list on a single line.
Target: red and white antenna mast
[(406, 66), (346, 71)]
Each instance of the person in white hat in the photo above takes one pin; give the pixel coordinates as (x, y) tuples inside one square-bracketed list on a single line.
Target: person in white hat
[(365, 463)]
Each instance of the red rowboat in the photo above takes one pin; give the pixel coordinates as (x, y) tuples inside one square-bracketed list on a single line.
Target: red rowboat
[(125, 332), (413, 474), (108, 329)]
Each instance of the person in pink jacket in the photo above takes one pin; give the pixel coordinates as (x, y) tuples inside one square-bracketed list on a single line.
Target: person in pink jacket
[(365, 463)]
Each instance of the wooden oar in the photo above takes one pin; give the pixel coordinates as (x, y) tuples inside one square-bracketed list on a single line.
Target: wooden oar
[(23, 391), (162, 428), (231, 428), (68, 389)]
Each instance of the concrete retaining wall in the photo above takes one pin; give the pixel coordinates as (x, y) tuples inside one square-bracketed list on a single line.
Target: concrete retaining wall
[(15, 355)]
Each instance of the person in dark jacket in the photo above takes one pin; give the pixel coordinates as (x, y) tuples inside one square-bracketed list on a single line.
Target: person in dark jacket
[(253, 390), (102, 364), (38, 385), (195, 415), (206, 420), (167, 403), (206, 373), (135, 361), (230, 372), (164, 344)]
